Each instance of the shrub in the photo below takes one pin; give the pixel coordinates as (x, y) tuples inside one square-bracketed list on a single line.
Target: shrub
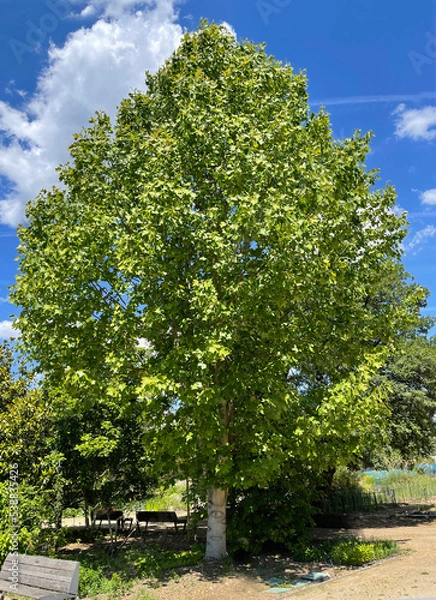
[(350, 551), (355, 552), (280, 513), (31, 511), (93, 581), (367, 482), (345, 479)]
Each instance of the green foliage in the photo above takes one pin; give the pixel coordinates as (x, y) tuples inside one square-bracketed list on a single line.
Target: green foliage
[(396, 479), (279, 513), (104, 461), (411, 375), (219, 220), (69, 513), (156, 560), (411, 485), (94, 582), (356, 552), (101, 574), (24, 419), (32, 510), (168, 498), (346, 479), (349, 551), (367, 482), (354, 490)]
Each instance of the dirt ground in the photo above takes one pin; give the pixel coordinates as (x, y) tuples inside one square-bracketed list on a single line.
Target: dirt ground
[(412, 575)]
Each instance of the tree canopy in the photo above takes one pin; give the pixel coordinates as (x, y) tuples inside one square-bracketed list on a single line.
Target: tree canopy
[(410, 374), (219, 222)]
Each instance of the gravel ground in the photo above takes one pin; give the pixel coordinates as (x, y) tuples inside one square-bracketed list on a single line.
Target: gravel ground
[(411, 575)]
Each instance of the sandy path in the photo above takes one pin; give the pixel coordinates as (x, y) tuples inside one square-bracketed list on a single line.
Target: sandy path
[(410, 576)]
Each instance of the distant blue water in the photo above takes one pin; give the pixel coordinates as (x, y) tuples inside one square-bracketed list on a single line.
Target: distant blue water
[(429, 468), (382, 474)]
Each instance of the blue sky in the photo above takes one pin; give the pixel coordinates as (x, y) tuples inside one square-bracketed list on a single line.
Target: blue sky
[(371, 63)]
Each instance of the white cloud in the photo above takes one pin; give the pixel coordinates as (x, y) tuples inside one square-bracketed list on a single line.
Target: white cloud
[(416, 123), (6, 330), (379, 99), (229, 28), (419, 238), (95, 68), (429, 197), (115, 8)]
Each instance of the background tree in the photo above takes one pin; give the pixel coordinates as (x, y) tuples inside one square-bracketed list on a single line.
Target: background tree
[(104, 460), (219, 220), (24, 418), (69, 451), (410, 374)]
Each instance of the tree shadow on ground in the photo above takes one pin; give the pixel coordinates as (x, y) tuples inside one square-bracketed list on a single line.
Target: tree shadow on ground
[(161, 547), (402, 515)]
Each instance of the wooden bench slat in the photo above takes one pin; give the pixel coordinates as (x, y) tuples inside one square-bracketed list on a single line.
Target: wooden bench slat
[(30, 592), (43, 583), (34, 571), (40, 577), (43, 561)]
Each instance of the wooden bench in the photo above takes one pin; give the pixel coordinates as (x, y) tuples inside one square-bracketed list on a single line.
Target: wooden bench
[(159, 516), (39, 577), (115, 518)]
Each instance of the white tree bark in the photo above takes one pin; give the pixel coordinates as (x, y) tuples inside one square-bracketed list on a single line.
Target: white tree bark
[(216, 546)]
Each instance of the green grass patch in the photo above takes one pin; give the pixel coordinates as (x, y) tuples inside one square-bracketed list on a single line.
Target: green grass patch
[(157, 560), (94, 581), (114, 576)]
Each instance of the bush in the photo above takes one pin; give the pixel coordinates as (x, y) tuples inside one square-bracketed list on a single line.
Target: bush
[(345, 479), (280, 513), (367, 482), (355, 552), (31, 511), (349, 551), (93, 581)]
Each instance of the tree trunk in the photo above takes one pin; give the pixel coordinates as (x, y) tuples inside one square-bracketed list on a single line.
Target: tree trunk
[(86, 509), (216, 524)]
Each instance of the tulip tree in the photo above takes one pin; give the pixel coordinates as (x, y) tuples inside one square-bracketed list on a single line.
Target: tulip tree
[(218, 223)]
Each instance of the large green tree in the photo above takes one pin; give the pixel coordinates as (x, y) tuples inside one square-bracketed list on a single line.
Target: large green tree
[(218, 220)]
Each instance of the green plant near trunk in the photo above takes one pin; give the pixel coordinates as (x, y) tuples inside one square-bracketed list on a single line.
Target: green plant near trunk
[(279, 513)]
